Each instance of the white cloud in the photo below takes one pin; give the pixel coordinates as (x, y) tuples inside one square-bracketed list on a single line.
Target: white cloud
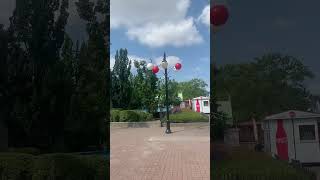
[(157, 35), (205, 16), (155, 23)]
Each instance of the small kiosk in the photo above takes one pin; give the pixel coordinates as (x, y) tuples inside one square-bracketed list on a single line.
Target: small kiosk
[(293, 135)]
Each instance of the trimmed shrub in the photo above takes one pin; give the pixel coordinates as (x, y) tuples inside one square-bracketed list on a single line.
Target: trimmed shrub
[(115, 115), (61, 166), (25, 150), (129, 116), (16, 166), (99, 164), (143, 116)]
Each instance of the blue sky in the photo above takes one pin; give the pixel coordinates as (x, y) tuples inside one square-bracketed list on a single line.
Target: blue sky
[(180, 28)]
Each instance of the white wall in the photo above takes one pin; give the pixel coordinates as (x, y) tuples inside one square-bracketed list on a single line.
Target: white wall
[(305, 151)]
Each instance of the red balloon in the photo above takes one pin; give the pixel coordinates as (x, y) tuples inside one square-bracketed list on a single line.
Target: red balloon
[(155, 69), (218, 15), (178, 66)]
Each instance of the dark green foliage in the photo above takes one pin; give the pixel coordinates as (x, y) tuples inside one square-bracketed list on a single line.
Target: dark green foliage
[(115, 115), (188, 116), (121, 86), (25, 150), (173, 90), (61, 166), (246, 164), (193, 88), (219, 125), (144, 88), (17, 166), (271, 84), (52, 93), (130, 116)]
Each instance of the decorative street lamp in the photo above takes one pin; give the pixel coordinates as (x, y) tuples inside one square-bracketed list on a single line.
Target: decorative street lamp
[(219, 14), (155, 69)]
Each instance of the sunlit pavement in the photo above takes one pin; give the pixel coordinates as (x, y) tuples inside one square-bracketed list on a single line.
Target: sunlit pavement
[(150, 154)]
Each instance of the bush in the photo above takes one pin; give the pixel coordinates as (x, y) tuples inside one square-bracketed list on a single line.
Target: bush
[(143, 116), (115, 115), (129, 116), (15, 166), (25, 150), (186, 117), (99, 164), (219, 125), (58, 166)]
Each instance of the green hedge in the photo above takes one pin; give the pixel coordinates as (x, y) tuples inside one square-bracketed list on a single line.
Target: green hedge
[(25, 150), (186, 117), (115, 115), (16, 166), (130, 116)]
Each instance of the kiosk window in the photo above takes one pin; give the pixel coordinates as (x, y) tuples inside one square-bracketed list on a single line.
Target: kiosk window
[(307, 132)]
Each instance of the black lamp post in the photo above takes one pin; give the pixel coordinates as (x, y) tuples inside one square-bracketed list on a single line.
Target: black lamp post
[(155, 69), (164, 65)]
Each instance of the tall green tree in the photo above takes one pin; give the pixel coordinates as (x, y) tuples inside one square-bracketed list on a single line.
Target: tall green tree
[(120, 76), (144, 88), (173, 90), (37, 30), (194, 88), (271, 84), (92, 91)]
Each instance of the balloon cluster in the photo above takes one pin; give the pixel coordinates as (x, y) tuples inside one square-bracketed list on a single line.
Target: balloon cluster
[(155, 69)]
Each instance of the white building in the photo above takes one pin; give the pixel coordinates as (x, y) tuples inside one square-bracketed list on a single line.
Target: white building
[(293, 135), (201, 104)]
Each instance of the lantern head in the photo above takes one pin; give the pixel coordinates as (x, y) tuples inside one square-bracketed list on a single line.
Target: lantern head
[(149, 66), (178, 66), (155, 69), (218, 15), (164, 64)]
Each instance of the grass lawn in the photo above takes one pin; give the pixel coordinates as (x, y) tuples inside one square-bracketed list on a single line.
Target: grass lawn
[(249, 164), (188, 116)]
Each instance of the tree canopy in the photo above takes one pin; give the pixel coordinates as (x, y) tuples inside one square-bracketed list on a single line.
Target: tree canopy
[(271, 84), (193, 88)]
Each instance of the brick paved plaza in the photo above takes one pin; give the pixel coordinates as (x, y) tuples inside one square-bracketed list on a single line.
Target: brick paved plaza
[(150, 154)]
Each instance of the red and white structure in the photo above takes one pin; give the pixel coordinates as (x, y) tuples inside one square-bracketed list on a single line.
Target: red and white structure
[(293, 135), (201, 104)]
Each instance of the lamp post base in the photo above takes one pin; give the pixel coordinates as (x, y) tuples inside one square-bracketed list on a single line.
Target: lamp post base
[(168, 131)]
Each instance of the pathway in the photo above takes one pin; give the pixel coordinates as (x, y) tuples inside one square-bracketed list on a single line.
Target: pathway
[(150, 154)]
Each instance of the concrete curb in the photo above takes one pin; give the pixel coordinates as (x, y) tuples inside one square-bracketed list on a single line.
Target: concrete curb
[(150, 124), (135, 124)]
